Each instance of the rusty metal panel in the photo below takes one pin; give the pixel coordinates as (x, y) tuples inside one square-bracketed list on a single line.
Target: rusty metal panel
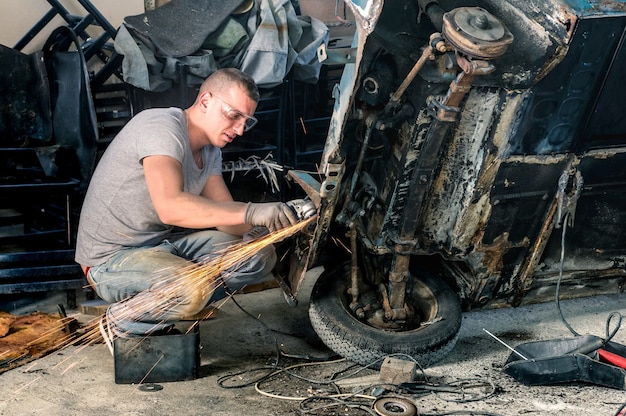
[(450, 221), (597, 239), (560, 102), (522, 192), (549, 109), (606, 125)]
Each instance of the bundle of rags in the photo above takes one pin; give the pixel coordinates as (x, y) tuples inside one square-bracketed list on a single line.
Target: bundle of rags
[(179, 28)]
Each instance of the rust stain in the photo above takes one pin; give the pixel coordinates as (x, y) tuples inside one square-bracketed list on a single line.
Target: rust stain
[(525, 276), (608, 6), (556, 59), (494, 252)]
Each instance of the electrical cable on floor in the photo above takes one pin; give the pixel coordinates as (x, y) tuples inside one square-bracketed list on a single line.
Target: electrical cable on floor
[(558, 283), (356, 399), (620, 411), (609, 335), (267, 369), (334, 402), (306, 409), (460, 387), (275, 368), (270, 370)]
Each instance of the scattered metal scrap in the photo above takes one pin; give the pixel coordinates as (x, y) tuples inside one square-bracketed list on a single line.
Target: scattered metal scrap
[(266, 168)]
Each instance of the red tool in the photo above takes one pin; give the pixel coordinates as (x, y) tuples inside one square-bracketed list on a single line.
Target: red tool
[(611, 358)]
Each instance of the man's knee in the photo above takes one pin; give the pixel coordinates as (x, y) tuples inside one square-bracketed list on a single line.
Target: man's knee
[(263, 262)]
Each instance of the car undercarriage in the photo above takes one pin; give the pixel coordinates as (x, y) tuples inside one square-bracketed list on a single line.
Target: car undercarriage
[(475, 149)]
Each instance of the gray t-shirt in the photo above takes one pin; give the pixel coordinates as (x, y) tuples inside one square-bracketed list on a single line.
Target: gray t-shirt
[(117, 211)]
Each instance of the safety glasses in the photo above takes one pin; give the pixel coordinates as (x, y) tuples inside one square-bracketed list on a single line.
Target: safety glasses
[(235, 115)]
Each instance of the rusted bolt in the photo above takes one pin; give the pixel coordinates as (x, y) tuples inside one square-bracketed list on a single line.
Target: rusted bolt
[(480, 22)]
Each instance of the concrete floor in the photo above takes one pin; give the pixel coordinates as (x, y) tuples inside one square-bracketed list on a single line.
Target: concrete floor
[(81, 380)]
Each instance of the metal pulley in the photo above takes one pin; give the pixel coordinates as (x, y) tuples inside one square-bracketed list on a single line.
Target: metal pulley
[(476, 33)]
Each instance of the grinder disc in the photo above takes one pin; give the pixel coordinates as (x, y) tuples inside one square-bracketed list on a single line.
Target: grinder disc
[(394, 406)]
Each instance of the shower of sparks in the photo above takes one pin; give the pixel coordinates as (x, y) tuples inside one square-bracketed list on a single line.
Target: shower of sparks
[(191, 286)]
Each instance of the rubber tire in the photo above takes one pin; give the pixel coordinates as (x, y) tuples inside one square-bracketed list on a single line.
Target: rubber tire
[(366, 345)]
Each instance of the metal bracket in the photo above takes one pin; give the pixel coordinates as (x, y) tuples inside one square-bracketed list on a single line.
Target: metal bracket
[(442, 112), (336, 56)]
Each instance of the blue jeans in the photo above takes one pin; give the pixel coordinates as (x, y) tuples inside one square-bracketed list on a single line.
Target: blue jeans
[(150, 288)]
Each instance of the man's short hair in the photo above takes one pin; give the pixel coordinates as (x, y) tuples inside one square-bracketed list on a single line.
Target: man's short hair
[(223, 78)]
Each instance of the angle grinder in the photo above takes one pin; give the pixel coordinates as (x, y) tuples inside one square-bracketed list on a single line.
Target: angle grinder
[(303, 208)]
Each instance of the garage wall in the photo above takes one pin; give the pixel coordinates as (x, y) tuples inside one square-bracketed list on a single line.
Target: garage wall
[(18, 16)]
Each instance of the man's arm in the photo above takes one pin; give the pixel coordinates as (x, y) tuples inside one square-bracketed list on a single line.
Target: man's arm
[(215, 208), (216, 190)]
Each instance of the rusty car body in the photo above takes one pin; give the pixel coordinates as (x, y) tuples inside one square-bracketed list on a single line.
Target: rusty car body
[(476, 157)]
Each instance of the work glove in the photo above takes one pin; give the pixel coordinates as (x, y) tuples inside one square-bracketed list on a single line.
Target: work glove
[(273, 215)]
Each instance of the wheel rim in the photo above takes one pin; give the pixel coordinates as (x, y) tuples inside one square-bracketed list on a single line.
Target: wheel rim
[(420, 300), (340, 329)]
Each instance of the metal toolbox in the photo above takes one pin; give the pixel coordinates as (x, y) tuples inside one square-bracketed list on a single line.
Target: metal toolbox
[(157, 359)]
